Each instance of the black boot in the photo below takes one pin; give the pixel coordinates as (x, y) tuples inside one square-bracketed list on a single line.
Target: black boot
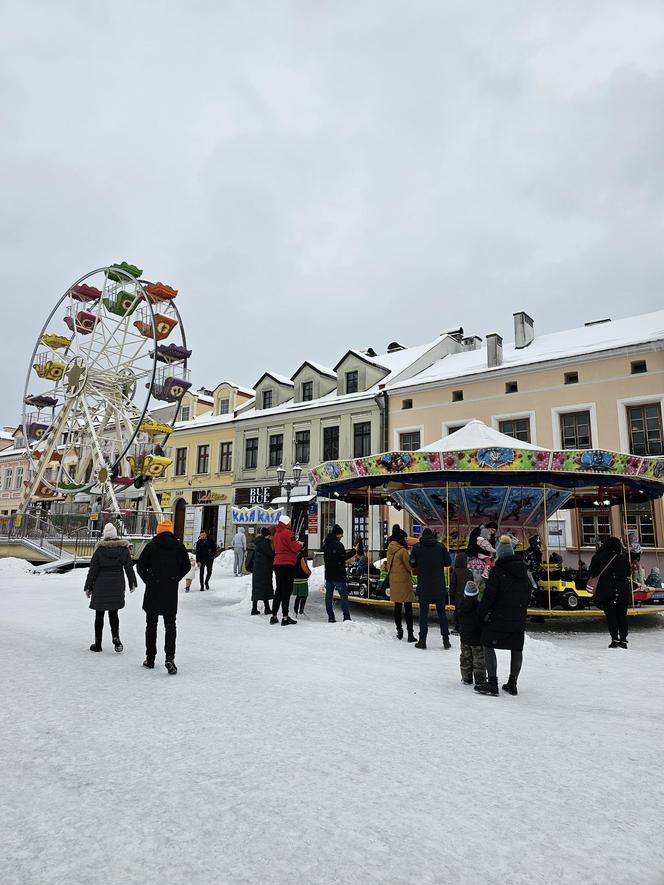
[(479, 676), (421, 644), (622, 643), (96, 646), (268, 610), (614, 644), (148, 663), (510, 686), (254, 609), (446, 642), (285, 622), (274, 619), (170, 666), (489, 687), (118, 645), (411, 637), (399, 632)]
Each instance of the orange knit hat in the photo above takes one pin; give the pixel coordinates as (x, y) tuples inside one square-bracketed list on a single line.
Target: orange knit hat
[(166, 525)]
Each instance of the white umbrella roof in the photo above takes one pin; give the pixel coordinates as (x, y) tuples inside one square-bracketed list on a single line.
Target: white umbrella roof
[(477, 435)]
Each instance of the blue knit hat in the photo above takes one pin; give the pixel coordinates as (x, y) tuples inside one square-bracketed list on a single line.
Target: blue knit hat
[(504, 547), (471, 589)]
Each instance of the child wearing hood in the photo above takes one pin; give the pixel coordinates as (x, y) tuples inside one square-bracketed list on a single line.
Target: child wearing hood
[(471, 659)]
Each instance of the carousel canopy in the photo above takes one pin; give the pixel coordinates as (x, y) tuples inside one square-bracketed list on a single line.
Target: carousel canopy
[(477, 435)]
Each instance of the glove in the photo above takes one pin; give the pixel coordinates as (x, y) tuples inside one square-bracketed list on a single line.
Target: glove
[(88, 593)]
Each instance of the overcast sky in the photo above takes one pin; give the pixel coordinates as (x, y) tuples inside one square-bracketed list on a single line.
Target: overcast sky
[(314, 176)]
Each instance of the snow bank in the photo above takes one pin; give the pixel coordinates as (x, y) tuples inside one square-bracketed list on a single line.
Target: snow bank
[(11, 566)]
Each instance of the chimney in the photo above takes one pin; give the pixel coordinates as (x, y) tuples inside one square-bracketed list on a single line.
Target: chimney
[(457, 334), (471, 342), (524, 330), (370, 352), (494, 350), (394, 346)]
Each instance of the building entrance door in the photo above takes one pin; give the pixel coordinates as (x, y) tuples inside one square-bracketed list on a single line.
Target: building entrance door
[(178, 518)]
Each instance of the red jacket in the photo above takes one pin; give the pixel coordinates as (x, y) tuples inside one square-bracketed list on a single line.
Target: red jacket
[(286, 547)]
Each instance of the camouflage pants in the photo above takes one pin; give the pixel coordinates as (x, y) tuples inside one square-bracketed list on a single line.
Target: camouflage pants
[(472, 663)]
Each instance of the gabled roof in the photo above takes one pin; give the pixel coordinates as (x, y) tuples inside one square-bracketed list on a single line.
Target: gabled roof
[(236, 387), (370, 361), (322, 370), (280, 379)]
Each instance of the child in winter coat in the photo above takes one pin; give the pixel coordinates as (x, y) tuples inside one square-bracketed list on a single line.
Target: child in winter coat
[(191, 574), (459, 577), (470, 629), (654, 579), (301, 583)]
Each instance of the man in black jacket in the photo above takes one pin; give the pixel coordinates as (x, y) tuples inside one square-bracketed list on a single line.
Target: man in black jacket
[(429, 559), (162, 565), (335, 556), (205, 552)]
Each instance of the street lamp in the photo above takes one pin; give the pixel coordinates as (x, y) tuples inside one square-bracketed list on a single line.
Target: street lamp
[(288, 484)]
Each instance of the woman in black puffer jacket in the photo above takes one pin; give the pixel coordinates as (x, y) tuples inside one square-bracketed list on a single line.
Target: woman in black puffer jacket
[(613, 592), (105, 585)]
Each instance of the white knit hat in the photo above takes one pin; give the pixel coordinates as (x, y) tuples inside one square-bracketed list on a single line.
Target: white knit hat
[(110, 533), (284, 520)]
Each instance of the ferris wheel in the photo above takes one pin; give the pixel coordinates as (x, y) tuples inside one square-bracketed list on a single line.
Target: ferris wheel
[(100, 365)]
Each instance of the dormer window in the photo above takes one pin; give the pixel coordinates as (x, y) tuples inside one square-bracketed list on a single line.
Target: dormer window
[(184, 415), (267, 399), (352, 382), (224, 406), (307, 391)]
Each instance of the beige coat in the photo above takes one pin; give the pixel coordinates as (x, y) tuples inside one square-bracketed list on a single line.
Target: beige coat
[(398, 565)]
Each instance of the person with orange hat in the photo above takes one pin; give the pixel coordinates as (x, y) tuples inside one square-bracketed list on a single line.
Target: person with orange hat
[(162, 565)]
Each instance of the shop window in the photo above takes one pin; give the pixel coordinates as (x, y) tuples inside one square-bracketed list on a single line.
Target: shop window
[(203, 459), (571, 377), (352, 381), (330, 443), (457, 396), (511, 387), (276, 449), (180, 462), (407, 404), (184, 413), (594, 527), (327, 517), (224, 406), (575, 430), (638, 367), (267, 399), (225, 457), (361, 439), (307, 391), (640, 519), (645, 429), (302, 446), (519, 428), (251, 453), (409, 441)]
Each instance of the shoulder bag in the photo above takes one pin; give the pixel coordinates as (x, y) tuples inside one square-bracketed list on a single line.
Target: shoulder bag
[(593, 584)]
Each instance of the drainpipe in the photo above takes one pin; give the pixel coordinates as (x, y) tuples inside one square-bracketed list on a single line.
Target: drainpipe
[(381, 401)]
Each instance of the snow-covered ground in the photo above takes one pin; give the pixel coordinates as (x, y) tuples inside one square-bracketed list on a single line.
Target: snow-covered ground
[(317, 753)]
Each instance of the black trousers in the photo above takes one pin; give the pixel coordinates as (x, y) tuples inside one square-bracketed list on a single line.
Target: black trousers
[(151, 621), (299, 604), (516, 660), (616, 620), (424, 618), (284, 576), (114, 623), (408, 609), (205, 566)]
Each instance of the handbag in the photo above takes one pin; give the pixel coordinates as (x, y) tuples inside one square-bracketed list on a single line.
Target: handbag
[(593, 587)]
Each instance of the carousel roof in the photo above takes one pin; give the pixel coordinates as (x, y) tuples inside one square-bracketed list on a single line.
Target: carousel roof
[(477, 435)]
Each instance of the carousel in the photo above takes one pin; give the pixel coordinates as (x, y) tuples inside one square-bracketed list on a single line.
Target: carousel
[(477, 483)]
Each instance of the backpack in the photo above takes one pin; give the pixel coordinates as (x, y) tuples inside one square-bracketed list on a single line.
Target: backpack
[(304, 566), (249, 560)]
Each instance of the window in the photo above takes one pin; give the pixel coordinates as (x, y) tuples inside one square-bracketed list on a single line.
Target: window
[(639, 518), (457, 396), (639, 367), (302, 446), (454, 427), (19, 477), (184, 414), (307, 391), (407, 404), (593, 527), (352, 382), (224, 406), (180, 462), (330, 443), (225, 457), (361, 439), (575, 430), (203, 459), (645, 429), (519, 428), (327, 517), (251, 453), (571, 377), (511, 387), (9, 478), (409, 441), (267, 399), (276, 449)]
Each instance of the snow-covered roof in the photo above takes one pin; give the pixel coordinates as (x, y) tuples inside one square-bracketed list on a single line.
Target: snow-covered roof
[(322, 370), (5, 435), (576, 342), (477, 435), (280, 379), (13, 452)]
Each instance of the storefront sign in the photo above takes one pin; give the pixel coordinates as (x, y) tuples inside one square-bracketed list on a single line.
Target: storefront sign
[(256, 495), (209, 497), (256, 515), (165, 500), (312, 523)]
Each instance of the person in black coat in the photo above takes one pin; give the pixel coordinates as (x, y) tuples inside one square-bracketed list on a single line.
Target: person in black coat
[(105, 584), (261, 573), (335, 556), (471, 659), (162, 565), (504, 611), (611, 567), (205, 553), (430, 557)]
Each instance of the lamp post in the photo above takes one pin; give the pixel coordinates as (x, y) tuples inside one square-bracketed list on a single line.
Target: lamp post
[(288, 484)]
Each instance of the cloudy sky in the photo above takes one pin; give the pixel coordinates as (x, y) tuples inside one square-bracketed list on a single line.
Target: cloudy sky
[(317, 175)]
